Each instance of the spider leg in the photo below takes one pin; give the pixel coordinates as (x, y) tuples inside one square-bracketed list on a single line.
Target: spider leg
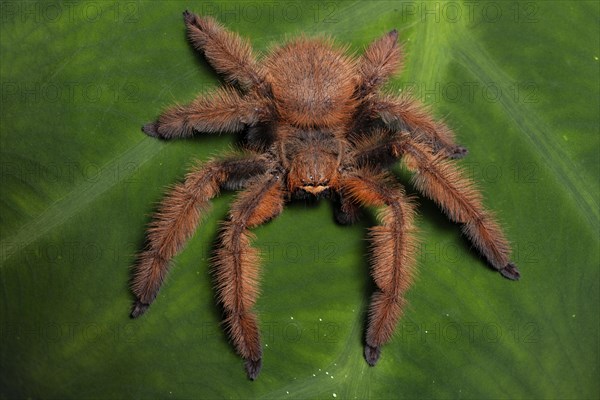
[(236, 266), (346, 211), (440, 180), (404, 113), (227, 52), (177, 218), (224, 110), (393, 249), (378, 150), (379, 61)]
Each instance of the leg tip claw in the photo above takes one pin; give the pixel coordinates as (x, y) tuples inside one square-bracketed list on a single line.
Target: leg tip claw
[(458, 152), (344, 218), (188, 17), (138, 309), (511, 272), (372, 354), (253, 368), (151, 129)]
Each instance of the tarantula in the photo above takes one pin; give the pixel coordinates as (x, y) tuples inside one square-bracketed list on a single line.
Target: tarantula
[(315, 125)]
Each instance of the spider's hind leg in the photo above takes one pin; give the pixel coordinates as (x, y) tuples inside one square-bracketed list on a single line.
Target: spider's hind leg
[(440, 180), (393, 249), (236, 266), (177, 219)]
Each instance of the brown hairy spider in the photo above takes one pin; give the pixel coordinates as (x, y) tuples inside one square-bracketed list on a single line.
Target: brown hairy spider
[(315, 124)]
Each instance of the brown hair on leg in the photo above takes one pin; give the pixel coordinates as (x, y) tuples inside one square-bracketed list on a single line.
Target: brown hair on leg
[(393, 249), (408, 114), (440, 180), (236, 267), (223, 110), (381, 59), (228, 53), (176, 220)]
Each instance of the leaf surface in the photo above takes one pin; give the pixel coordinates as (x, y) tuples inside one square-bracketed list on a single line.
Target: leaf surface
[(519, 84)]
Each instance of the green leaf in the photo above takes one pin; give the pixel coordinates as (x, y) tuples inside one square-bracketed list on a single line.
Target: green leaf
[(519, 83)]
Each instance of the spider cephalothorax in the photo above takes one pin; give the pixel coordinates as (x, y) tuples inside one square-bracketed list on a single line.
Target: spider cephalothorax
[(315, 124)]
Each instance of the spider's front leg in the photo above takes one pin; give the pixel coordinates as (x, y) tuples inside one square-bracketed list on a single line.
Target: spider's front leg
[(227, 52), (177, 218), (380, 60), (346, 211), (236, 266), (440, 180), (393, 250)]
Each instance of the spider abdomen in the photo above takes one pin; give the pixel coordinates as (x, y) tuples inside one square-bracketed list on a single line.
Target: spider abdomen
[(312, 82)]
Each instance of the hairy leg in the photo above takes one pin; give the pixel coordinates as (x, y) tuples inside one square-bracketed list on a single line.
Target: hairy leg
[(440, 180), (406, 114), (223, 110), (377, 150), (236, 266), (177, 218), (379, 61), (393, 249), (227, 52)]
